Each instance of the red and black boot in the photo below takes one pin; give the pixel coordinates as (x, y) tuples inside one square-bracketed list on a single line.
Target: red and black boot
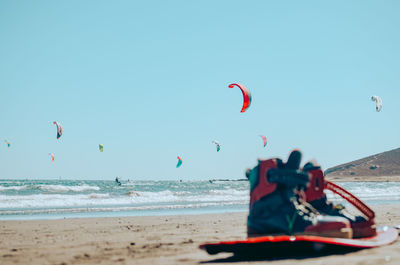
[(275, 207), (363, 226)]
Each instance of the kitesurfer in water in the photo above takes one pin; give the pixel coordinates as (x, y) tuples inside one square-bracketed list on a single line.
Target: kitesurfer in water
[(117, 181)]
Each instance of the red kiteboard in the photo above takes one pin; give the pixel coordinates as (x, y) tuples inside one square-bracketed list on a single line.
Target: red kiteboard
[(284, 243)]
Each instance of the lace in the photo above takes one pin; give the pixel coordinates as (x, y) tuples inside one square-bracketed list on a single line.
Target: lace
[(304, 209)]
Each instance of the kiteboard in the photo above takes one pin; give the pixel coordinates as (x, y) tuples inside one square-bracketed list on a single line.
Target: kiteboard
[(285, 244)]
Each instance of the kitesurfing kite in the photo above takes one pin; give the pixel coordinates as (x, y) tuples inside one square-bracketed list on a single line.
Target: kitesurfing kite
[(217, 144), (378, 101), (8, 143), (179, 162), (101, 147), (59, 129), (264, 139), (52, 157), (246, 96)]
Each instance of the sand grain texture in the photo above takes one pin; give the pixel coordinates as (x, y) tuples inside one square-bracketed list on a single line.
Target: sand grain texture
[(153, 240)]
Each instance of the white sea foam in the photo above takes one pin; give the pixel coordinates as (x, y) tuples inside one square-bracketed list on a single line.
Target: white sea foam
[(370, 191), (231, 192), (23, 187), (164, 198), (52, 188), (133, 198), (53, 200), (37, 197), (63, 188), (186, 196)]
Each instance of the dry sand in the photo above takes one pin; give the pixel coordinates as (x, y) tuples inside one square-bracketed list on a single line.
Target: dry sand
[(154, 240)]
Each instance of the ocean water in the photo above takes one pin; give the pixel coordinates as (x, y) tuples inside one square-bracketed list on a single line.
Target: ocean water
[(53, 199)]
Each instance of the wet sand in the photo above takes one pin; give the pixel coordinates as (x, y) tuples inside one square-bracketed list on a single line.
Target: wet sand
[(154, 240)]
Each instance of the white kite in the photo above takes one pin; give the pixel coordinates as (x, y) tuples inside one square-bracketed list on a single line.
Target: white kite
[(378, 101)]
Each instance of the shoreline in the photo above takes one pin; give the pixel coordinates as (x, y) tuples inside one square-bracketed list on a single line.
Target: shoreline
[(120, 215), (154, 240), (335, 178), (67, 200)]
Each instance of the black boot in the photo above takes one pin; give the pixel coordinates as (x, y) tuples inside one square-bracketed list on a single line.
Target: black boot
[(275, 207)]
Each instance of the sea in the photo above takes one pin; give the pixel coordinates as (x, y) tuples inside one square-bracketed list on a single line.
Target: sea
[(57, 199)]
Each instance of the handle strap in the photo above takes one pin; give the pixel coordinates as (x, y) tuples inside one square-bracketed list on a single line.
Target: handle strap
[(362, 207)]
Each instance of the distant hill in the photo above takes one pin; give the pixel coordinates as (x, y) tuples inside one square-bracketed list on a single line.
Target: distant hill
[(382, 164)]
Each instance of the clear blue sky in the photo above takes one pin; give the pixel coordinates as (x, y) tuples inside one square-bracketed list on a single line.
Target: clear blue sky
[(149, 80)]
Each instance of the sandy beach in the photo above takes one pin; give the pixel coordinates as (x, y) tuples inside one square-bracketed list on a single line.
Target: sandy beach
[(154, 240)]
